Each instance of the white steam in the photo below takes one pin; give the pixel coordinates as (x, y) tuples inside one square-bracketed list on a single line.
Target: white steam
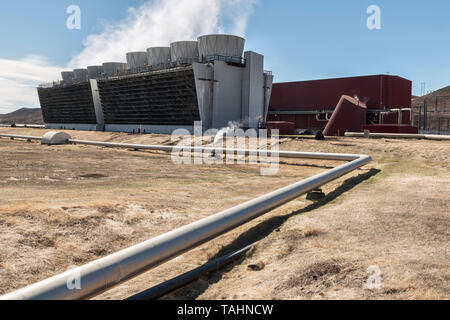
[(160, 22), (228, 131)]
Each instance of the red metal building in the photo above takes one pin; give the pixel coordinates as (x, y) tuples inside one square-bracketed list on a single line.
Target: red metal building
[(310, 104)]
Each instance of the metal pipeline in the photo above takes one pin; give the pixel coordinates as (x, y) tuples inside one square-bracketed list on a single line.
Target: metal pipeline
[(188, 277), (398, 136), (15, 136), (281, 154), (400, 114), (110, 271)]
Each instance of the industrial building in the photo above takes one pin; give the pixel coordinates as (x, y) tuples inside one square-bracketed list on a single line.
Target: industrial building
[(310, 105), (162, 89), (213, 81)]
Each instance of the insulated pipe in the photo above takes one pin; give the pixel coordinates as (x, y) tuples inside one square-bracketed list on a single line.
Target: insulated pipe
[(281, 154), (327, 117), (398, 136), (400, 114), (106, 273), (188, 277), (15, 136)]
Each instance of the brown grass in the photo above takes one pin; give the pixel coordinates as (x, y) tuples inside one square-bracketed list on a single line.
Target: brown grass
[(59, 210)]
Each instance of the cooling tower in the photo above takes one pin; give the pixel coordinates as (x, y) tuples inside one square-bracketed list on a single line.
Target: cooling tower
[(158, 56), (67, 76), (113, 68), (184, 51), (220, 45), (137, 60), (94, 72), (80, 74)]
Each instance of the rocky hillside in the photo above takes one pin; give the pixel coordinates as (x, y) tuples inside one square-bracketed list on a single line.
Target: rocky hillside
[(22, 116)]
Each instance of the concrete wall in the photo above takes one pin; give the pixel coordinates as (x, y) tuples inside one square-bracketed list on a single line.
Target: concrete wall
[(268, 84), (202, 74), (97, 105), (148, 128), (72, 126), (227, 93), (253, 89), (241, 94)]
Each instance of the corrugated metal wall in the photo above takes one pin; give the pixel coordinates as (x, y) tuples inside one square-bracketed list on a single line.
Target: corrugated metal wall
[(68, 104), (161, 98), (376, 92)]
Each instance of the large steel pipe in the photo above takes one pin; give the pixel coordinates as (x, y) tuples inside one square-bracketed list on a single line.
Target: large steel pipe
[(16, 136), (188, 277), (105, 273), (281, 154), (398, 136)]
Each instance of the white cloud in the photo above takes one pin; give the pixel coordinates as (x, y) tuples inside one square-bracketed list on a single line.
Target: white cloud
[(155, 23), (19, 78)]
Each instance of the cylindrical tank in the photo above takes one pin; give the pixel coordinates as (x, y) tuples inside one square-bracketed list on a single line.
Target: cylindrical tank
[(80, 74), (158, 55), (221, 45), (184, 51), (94, 72), (67, 76), (113, 68), (137, 60)]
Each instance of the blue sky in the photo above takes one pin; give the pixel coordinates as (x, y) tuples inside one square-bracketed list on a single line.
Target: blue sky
[(301, 40)]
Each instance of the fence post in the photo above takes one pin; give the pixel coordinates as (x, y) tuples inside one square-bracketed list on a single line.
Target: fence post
[(419, 124), (425, 115)]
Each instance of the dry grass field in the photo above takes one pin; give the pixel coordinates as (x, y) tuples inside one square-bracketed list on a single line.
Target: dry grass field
[(62, 206)]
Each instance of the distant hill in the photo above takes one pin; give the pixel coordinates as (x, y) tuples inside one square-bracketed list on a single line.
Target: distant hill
[(438, 110), (443, 96), (23, 116)]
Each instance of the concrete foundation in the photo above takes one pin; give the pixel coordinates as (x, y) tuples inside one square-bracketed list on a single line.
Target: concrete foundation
[(130, 128), (73, 126)]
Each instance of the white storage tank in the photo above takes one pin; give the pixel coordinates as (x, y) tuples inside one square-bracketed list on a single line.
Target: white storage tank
[(137, 60), (94, 72), (67, 76), (158, 56), (80, 74), (221, 45), (184, 51), (113, 68)]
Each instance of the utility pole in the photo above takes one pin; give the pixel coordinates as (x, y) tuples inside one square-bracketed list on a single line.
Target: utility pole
[(423, 87)]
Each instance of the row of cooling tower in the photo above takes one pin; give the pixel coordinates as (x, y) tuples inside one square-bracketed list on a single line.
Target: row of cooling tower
[(206, 48)]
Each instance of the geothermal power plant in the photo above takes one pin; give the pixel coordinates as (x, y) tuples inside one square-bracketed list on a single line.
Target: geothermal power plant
[(162, 89), (214, 81)]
